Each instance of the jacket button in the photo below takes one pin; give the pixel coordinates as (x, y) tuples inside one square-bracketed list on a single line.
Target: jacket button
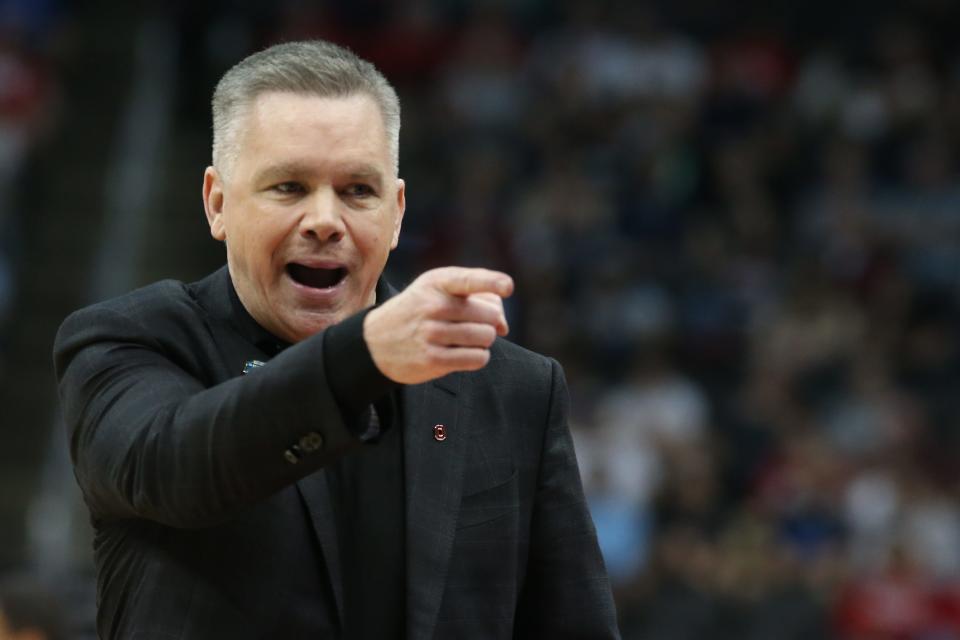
[(439, 433), (311, 442)]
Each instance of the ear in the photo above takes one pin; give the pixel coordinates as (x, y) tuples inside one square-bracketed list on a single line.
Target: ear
[(401, 207), (213, 203)]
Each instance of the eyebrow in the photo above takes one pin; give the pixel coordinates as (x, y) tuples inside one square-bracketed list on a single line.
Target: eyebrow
[(365, 171), (286, 170), (281, 170)]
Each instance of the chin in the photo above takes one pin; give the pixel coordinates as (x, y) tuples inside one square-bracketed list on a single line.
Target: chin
[(304, 327)]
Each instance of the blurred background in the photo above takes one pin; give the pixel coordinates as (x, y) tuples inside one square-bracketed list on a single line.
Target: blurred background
[(737, 225)]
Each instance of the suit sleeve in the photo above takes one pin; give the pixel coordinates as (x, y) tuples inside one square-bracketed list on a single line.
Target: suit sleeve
[(567, 592), (151, 440)]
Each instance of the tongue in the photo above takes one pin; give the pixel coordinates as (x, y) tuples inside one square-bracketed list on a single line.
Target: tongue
[(316, 278)]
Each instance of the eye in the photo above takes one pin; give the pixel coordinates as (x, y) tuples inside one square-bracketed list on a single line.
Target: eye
[(359, 190), (288, 188)]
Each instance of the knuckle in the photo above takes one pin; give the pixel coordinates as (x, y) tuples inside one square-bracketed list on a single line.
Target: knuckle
[(481, 358), (475, 310), (472, 358), (434, 306), (432, 331), (442, 276), (488, 335), (424, 279), (434, 355)]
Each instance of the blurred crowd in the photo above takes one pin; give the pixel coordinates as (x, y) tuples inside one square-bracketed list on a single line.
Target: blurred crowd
[(743, 243), (28, 97), (738, 228)]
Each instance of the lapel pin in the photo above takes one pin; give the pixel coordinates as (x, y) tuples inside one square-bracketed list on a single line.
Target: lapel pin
[(250, 365), (439, 433)]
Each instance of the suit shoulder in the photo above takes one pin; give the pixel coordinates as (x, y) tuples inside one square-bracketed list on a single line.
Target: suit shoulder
[(505, 350), (506, 354), (154, 304), (163, 315)]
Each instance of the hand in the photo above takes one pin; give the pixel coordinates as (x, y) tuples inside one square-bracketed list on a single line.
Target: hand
[(444, 321)]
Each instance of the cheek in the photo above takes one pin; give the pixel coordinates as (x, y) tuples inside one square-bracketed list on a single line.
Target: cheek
[(371, 236), (386, 228), (255, 238)]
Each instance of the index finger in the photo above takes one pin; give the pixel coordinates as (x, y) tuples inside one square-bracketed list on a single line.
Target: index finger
[(462, 281)]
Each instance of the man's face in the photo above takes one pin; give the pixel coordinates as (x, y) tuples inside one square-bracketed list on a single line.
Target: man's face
[(309, 210)]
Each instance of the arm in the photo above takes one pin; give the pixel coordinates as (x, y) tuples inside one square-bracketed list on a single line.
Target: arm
[(567, 592), (149, 440)]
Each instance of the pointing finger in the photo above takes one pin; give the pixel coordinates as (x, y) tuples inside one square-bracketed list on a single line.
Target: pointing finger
[(474, 309), (461, 281)]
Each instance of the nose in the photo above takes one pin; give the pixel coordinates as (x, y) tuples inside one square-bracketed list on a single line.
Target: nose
[(321, 217)]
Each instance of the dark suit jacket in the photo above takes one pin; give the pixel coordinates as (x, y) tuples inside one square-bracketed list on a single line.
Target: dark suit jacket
[(207, 528)]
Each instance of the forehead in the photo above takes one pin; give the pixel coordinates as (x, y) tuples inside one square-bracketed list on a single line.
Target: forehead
[(312, 130)]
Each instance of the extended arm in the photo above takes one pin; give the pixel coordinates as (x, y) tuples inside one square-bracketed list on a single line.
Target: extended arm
[(149, 440)]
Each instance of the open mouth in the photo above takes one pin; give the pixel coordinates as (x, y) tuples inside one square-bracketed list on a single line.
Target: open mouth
[(316, 278)]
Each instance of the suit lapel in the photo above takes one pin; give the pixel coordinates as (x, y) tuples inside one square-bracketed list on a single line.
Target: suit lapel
[(315, 494), (316, 498), (433, 472)]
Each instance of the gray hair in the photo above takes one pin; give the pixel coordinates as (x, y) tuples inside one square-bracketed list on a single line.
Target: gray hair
[(313, 67)]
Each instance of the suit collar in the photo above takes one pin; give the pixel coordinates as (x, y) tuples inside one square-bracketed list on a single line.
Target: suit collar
[(218, 297), (250, 328)]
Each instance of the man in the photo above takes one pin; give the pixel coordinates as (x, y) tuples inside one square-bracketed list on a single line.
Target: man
[(290, 449)]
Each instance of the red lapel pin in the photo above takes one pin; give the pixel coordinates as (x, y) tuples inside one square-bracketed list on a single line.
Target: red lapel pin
[(439, 433)]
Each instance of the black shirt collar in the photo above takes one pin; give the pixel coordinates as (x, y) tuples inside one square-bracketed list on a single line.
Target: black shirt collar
[(250, 328), (263, 339)]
